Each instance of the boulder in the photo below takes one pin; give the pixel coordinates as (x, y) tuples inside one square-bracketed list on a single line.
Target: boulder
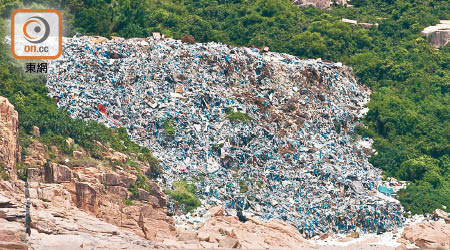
[(69, 142), (433, 234), (118, 190), (143, 195), (170, 243), (9, 134), (116, 156), (187, 235), (440, 33), (156, 35), (230, 231), (440, 38), (33, 175), (126, 179), (5, 245), (4, 202), (111, 179), (203, 236), (12, 235), (215, 237), (159, 197), (36, 131), (56, 173), (440, 214), (284, 228), (77, 154), (321, 4), (54, 149), (149, 232), (229, 242), (209, 245), (217, 211)]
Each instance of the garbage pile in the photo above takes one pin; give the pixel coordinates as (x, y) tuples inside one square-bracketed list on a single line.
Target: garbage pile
[(260, 132)]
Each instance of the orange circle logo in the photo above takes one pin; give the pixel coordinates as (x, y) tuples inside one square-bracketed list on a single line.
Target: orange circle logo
[(36, 29)]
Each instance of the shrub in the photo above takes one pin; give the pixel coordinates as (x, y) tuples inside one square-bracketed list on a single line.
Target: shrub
[(22, 171), (3, 172), (128, 202), (141, 183), (184, 193), (238, 117), (169, 128)]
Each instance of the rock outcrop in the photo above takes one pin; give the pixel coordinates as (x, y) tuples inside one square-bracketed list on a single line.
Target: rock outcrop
[(56, 173), (12, 235), (428, 235), (440, 33), (321, 4), (36, 155), (86, 196), (9, 134), (440, 38), (228, 232)]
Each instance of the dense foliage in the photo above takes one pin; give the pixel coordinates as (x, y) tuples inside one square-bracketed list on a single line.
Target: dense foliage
[(409, 116), (184, 195), (28, 94)]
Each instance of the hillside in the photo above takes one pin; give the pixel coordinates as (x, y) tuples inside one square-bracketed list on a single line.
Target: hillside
[(252, 137), (409, 114)]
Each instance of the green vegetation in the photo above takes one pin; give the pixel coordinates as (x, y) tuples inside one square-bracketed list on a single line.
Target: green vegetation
[(141, 183), (184, 193), (238, 117), (29, 96), (409, 117), (45, 200), (22, 171), (3, 174), (337, 126), (169, 128), (128, 202)]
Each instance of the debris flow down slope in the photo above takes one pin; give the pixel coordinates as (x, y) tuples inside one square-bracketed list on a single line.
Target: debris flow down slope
[(266, 133)]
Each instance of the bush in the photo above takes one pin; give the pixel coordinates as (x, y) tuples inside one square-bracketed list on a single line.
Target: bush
[(3, 172), (141, 183), (22, 171), (238, 117), (128, 202), (184, 193), (169, 128)]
